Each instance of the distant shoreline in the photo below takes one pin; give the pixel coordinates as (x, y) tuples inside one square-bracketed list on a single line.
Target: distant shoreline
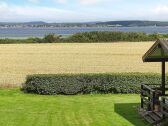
[(24, 33), (123, 23), (76, 27)]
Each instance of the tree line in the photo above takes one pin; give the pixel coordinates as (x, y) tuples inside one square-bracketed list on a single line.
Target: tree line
[(91, 37)]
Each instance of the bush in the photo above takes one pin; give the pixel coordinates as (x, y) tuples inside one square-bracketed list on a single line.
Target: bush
[(90, 37), (71, 84), (51, 38), (113, 36), (16, 41), (35, 40)]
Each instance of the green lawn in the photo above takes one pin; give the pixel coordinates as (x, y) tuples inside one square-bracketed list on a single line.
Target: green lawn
[(19, 109)]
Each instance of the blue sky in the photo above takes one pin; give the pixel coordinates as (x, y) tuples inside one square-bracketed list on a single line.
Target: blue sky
[(82, 10)]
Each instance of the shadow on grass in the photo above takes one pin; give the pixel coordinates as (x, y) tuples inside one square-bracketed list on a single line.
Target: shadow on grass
[(129, 111)]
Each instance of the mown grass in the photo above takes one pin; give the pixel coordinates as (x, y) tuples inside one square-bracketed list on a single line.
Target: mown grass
[(19, 60), (19, 109)]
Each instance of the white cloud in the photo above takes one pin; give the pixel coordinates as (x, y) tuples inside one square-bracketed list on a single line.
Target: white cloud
[(158, 12), (61, 1), (92, 2), (82, 2), (16, 13), (161, 9), (34, 1), (89, 2)]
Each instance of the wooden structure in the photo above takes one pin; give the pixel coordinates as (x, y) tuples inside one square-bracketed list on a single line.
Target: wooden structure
[(154, 100)]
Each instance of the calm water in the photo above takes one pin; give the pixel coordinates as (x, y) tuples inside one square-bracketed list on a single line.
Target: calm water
[(40, 32)]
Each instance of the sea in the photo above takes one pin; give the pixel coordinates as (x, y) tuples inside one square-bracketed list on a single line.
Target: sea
[(23, 33)]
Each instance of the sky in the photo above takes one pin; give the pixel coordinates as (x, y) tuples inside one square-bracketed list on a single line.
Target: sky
[(82, 10)]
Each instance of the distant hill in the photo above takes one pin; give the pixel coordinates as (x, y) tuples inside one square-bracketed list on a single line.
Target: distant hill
[(35, 23), (131, 23), (134, 23)]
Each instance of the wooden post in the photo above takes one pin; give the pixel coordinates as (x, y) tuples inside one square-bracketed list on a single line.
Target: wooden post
[(163, 109), (163, 84), (163, 78), (153, 101), (142, 103), (149, 99)]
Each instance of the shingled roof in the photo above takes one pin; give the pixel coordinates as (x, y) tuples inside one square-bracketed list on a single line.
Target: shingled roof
[(158, 52)]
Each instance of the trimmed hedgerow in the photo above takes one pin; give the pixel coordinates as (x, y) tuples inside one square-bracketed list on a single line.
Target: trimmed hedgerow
[(71, 84), (90, 37), (106, 36)]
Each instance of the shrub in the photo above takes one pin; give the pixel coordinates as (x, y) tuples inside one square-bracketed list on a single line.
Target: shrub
[(70, 84), (35, 40), (105, 36), (90, 37), (15, 41), (51, 38)]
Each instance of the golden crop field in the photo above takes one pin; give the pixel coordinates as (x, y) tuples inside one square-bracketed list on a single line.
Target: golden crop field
[(19, 60)]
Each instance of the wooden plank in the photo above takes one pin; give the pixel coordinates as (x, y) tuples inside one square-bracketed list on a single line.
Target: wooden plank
[(148, 88), (154, 116), (159, 114), (145, 93), (149, 119)]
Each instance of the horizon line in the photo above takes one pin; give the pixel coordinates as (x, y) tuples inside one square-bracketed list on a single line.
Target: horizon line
[(77, 21)]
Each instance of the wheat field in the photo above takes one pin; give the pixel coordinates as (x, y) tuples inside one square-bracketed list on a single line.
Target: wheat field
[(19, 60)]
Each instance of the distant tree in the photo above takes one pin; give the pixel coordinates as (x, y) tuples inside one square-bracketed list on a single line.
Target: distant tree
[(155, 36), (51, 38)]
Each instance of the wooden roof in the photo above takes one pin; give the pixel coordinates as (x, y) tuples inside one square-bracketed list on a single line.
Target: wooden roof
[(158, 52)]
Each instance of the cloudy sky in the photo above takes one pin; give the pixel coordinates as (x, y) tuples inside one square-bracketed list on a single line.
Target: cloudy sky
[(82, 10)]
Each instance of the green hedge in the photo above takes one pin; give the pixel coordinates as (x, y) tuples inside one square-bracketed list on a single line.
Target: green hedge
[(50, 38), (18, 41), (70, 84), (105, 36), (90, 37)]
